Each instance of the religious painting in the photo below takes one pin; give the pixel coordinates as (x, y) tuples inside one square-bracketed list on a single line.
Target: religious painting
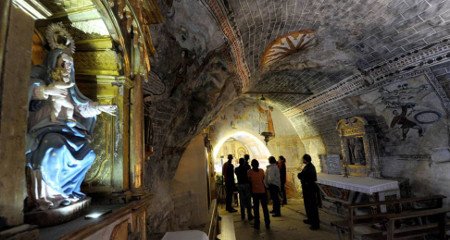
[(355, 147), (415, 115)]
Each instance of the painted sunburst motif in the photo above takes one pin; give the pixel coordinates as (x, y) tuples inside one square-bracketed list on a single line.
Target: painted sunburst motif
[(286, 45)]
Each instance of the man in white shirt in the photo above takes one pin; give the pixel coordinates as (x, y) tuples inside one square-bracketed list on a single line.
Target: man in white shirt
[(273, 182)]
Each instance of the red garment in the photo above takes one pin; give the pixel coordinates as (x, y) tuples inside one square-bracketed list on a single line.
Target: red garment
[(257, 180)]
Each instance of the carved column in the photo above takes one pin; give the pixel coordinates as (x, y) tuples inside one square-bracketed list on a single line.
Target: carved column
[(137, 134)]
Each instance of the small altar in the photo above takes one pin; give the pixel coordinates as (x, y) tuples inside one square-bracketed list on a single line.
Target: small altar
[(346, 190)]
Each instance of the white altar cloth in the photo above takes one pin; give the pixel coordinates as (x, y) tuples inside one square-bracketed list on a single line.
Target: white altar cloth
[(359, 184)]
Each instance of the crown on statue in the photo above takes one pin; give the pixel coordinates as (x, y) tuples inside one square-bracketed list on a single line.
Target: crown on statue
[(59, 38)]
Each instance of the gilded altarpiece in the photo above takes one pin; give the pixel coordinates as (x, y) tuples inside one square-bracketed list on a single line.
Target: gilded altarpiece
[(110, 171), (359, 147), (101, 171)]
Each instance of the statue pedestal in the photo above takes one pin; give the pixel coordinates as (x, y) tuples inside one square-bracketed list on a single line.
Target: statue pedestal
[(59, 215)]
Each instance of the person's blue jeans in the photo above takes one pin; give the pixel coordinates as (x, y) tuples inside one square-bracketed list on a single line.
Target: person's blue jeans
[(257, 198), (275, 195), (245, 201)]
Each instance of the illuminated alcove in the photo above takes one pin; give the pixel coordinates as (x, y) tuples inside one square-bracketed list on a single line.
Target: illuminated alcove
[(239, 143)]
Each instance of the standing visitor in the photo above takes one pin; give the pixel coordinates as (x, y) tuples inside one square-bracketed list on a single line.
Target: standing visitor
[(282, 167), (244, 189), (308, 178), (247, 158), (256, 177), (228, 178), (273, 182)]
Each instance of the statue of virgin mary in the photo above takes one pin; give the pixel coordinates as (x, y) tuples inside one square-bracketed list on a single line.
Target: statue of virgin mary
[(58, 152)]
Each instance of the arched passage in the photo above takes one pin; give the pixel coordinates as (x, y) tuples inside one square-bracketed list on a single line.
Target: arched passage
[(252, 144)]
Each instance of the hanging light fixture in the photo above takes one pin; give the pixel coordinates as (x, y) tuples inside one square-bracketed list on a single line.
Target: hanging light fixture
[(269, 131)]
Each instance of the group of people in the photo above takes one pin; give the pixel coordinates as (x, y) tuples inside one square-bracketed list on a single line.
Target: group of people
[(254, 183)]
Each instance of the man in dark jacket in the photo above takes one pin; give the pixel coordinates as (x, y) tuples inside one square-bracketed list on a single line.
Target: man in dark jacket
[(228, 178), (282, 167), (308, 178), (245, 193)]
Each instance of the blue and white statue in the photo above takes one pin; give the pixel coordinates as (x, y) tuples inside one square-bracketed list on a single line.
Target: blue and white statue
[(60, 124)]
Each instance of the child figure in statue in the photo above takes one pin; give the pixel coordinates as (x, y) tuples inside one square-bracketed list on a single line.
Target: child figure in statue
[(61, 80)]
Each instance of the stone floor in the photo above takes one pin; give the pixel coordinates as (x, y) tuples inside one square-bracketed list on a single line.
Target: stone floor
[(289, 226)]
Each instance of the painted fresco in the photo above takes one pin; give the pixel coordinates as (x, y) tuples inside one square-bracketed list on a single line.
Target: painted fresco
[(243, 115), (415, 117)]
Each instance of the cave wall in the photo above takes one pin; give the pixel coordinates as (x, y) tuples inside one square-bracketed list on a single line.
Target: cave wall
[(192, 79), (189, 186), (417, 146)]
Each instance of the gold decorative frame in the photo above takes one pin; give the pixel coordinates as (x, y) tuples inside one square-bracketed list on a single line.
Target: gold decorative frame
[(360, 128)]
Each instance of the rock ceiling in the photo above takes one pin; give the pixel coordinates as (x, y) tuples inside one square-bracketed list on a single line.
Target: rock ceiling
[(344, 38), (300, 53), (352, 36)]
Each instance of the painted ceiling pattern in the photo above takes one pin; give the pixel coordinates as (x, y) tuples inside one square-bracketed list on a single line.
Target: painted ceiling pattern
[(334, 50), (287, 45), (350, 37)]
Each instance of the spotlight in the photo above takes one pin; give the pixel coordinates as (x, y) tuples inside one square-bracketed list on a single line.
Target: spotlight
[(97, 214)]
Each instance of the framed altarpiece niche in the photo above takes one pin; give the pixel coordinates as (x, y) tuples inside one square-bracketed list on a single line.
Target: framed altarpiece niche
[(358, 147)]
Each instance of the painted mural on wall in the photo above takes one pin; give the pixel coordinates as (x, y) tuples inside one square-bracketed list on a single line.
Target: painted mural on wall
[(244, 114), (415, 117)]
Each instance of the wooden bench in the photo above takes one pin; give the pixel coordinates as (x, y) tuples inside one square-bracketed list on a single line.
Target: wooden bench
[(424, 227), (211, 228), (364, 224)]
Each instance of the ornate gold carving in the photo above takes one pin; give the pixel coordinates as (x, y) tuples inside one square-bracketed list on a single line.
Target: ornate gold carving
[(100, 173), (94, 44), (287, 45), (353, 126), (97, 63), (132, 19), (359, 160)]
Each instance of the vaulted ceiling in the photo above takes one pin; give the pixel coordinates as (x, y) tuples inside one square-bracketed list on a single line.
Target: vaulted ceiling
[(350, 37), (305, 57)]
